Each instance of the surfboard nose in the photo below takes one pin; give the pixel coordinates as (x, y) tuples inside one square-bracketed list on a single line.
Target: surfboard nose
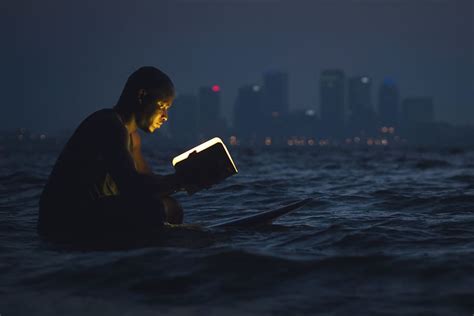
[(263, 217)]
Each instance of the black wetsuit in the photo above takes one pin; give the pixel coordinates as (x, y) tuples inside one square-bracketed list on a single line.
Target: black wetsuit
[(94, 188)]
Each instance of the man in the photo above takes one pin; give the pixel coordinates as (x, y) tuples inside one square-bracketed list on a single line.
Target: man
[(101, 186)]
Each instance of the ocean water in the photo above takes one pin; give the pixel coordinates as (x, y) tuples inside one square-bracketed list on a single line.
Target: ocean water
[(390, 232)]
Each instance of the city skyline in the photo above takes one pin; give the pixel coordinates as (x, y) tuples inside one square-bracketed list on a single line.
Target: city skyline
[(348, 108), (67, 60), (346, 100)]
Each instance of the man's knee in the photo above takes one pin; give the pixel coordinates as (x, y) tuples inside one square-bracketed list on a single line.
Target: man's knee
[(173, 210)]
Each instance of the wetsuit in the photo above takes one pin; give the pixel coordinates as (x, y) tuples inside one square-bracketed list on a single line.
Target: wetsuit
[(94, 188)]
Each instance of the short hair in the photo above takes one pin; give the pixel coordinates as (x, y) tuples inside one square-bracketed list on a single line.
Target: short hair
[(148, 77)]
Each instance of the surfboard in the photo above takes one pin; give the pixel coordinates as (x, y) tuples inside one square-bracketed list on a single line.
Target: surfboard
[(262, 218)]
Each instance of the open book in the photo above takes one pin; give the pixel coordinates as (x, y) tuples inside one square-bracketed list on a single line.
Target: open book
[(205, 165)]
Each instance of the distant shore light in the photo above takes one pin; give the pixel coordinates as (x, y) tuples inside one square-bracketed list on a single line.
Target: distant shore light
[(268, 141), (310, 112)]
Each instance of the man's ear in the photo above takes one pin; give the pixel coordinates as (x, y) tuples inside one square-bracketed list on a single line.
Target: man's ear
[(141, 94)]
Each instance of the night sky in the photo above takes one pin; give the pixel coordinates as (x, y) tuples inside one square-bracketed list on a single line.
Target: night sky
[(62, 60)]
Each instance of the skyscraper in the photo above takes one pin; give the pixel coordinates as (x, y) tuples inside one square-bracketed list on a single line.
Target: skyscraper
[(247, 111), (388, 103), (275, 94), (332, 90), (360, 98), (275, 103), (362, 116), (210, 122)]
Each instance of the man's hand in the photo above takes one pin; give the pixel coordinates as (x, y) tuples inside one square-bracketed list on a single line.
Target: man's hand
[(193, 182)]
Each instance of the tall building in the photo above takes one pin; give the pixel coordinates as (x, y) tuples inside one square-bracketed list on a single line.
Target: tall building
[(275, 103), (275, 94), (388, 103), (183, 116), (362, 116), (332, 90), (210, 122), (360, 94), (418, 110), (247, 111)]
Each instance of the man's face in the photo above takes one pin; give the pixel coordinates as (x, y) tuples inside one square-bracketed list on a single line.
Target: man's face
[(155, 113)]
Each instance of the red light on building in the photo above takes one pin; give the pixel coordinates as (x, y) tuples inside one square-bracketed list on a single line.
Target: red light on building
[(216, 88)]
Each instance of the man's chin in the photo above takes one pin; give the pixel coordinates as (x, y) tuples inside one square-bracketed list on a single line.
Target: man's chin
[(148, 130), (153, 129)]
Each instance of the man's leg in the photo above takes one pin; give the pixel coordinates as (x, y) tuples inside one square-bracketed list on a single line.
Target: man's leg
[(173, 210), (123, 215)]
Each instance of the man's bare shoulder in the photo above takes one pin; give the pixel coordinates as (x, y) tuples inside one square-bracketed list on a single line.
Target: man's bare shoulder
[(102, 126), (105, 116)]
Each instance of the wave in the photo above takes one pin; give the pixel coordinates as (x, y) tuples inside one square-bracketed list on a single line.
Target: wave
[(431, 164), (383, 232)]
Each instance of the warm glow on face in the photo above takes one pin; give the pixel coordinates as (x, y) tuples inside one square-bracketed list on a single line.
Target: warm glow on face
[(159, 115)]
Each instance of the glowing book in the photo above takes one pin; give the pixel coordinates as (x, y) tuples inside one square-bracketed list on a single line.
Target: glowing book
[(205, 165)]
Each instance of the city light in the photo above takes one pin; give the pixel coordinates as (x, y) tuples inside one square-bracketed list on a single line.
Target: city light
[(388, 129), (268, 141), (216, 88), (256, 88), (310, 112), (233, 141)]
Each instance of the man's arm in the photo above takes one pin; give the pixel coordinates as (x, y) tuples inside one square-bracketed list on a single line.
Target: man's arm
[(174, 183), (140, 162), (121, 165)]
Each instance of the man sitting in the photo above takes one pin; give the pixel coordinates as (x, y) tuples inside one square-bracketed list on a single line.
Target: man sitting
[(101, 187)]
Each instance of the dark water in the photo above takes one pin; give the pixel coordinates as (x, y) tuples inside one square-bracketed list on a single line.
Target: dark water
[(390, 232)]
